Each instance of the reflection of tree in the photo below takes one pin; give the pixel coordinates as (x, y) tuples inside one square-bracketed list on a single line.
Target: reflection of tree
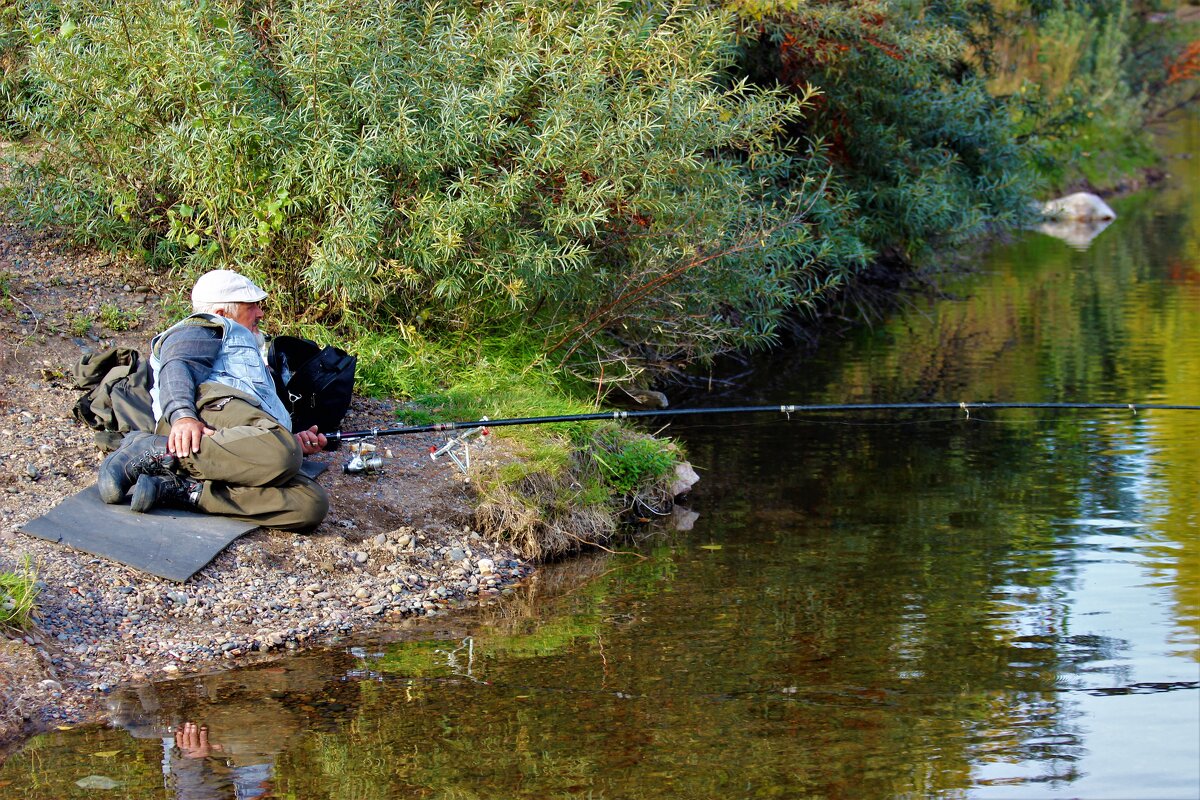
[(48, 766), (781, 683)]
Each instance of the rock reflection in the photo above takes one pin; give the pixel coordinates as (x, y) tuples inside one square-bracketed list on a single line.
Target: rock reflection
[(1078, 234)]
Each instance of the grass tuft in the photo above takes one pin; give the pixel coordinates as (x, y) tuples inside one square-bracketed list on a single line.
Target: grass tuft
[(118, 319), (18, 596)]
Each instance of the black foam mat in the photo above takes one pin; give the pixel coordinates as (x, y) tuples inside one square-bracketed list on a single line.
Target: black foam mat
[(167, 542)]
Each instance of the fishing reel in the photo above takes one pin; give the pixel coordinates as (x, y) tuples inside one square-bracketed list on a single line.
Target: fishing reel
[(364, 459)]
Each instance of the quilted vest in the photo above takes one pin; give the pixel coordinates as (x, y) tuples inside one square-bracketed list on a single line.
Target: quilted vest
[(239, 365)]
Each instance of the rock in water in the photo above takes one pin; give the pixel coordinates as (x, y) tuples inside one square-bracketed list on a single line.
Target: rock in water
[(1081, 206), (685, 479)]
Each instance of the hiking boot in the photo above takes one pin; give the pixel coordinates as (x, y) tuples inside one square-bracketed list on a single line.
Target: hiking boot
[(140, 454), (177, 491)]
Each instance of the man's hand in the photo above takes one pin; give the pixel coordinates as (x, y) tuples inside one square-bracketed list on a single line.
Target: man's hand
[(311, 441), (192, 741), (186, 435)]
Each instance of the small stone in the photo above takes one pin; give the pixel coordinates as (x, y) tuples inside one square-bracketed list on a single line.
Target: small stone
[(360, 557), (456, 554), (485, 566), (171, 668), (361, 593), (381, 540)]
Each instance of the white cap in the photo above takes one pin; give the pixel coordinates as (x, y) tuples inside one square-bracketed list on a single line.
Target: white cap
[(225, 286)]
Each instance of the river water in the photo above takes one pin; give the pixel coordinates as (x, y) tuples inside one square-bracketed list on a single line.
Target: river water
[(996, 604)]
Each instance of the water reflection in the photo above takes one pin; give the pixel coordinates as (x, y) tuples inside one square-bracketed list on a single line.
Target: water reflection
[(1076, 233), (221, 734)]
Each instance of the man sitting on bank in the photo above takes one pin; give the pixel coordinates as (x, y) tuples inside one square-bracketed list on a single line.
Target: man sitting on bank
[(223, 442)]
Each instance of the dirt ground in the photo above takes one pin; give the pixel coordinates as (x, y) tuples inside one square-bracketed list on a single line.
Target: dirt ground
[(396, 543)]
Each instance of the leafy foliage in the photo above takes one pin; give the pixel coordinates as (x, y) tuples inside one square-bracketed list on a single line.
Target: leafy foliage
[(596, 180), (632, 463), (116, 318), (579, 172), (1163, 60), (903, 118), (1072, 75)]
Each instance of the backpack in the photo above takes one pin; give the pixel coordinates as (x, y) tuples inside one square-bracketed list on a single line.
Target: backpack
[(117, 381), (315, 383)]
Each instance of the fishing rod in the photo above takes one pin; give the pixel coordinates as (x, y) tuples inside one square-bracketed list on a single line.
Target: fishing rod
[(337, 437)]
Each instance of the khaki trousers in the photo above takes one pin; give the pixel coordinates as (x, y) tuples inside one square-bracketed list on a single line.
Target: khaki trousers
[(251, 466)]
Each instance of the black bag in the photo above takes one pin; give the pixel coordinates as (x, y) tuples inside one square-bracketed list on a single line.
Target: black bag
[(315, 383)]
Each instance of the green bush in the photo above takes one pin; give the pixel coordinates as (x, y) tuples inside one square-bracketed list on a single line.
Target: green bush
[(1070, 71), (580, 172), (118, 319), (6, 293), (925, 154), (629, 464)]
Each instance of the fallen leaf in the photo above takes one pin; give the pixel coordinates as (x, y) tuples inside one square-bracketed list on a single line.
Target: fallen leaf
[(107, 754), (710, 547), (97, 782)]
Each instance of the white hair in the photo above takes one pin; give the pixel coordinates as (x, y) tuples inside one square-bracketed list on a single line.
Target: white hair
[(228, 307), (212, 308)]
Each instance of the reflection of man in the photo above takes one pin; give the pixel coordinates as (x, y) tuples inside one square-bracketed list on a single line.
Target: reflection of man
[(222, 734), (224, 444), (195, 773)]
